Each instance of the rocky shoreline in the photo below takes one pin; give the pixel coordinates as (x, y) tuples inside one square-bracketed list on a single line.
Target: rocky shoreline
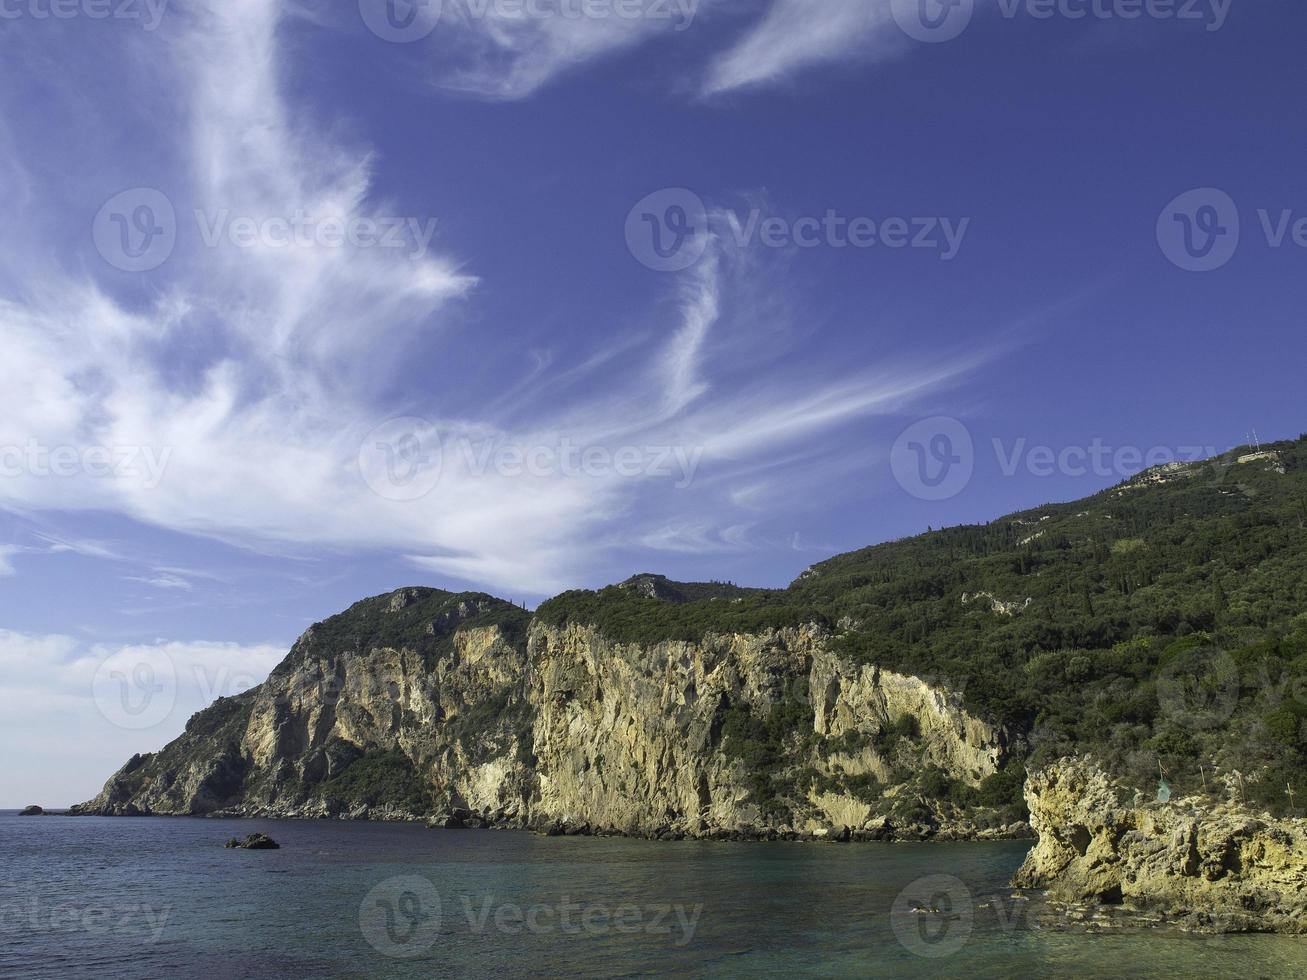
[(1207, 866), (878, 831)]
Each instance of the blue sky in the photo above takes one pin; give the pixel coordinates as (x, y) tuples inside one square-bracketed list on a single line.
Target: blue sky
[(305, 313)]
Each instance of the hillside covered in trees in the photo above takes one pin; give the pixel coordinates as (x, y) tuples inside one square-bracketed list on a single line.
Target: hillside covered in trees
[(1161, 624)]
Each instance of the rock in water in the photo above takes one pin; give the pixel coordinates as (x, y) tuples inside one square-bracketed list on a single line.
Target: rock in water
[(255, 842), (31, 811), (1213, 866)]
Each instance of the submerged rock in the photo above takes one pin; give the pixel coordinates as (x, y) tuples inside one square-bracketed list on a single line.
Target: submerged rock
[(255, 842)]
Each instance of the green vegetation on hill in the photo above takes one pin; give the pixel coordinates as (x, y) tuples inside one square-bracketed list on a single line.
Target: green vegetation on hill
[(1161, 624), (420, 619), (381, 778)]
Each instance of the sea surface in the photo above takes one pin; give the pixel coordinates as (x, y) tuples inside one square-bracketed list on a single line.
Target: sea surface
[(156, 897)]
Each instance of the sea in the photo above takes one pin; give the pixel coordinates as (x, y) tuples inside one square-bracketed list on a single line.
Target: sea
[(162, 898)]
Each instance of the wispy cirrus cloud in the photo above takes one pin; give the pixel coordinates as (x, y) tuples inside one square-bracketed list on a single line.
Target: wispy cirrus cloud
[(509, 51), (795, 35), (255, 376)]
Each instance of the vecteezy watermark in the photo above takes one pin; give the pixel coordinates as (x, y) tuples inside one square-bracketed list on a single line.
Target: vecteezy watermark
[(1201, 230), (1199, 689), (668, 231), (401, 21), (403, 918), (302, 230), (1096, 459), (136, 688), (403, 459), (143, 464), (934, 21), (148, 13), (407, 21), (36, 915), (137, 230), (935, 458), (934, 916)]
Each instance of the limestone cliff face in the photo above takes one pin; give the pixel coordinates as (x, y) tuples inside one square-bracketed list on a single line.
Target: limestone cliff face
[(356, 729), (630, 737), (635, 738), (421, 705), (1216, 866), (863, 700)]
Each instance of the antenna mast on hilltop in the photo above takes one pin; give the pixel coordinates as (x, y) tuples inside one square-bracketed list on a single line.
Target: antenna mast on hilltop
[(1257, 445)]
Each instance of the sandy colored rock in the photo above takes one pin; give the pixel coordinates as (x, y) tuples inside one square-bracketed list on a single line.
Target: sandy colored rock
[(1216, 866)]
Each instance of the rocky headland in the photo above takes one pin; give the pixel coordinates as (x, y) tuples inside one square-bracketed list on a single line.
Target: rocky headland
[(1208, 865), (903, 692)]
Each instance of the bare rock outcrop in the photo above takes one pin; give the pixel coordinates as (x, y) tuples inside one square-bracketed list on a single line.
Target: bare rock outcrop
[(1213, 866), (466, 713)]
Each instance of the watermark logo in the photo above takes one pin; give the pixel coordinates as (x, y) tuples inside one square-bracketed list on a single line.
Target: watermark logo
[(303, 230), (934, 916), (1101, 460), (933, 21), (401, 21), (1199, 230), (136, 688), (667, 231), (400, 917), (405, 459), (136, 230), (139, 922), (148, 13), (406, 21), (1199, 689), (934, 459), (402, 459), (1211, 12), (136, 464)]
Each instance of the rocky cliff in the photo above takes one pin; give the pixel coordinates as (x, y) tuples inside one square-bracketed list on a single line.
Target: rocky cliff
[(460, 708), (384, 711), (1209, 864), (686, 738)]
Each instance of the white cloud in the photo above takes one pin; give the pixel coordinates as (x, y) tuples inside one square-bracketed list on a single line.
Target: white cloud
[(58, 740), (798, 34), (258, 443), (512, 50), (7, 551), (162, 580)]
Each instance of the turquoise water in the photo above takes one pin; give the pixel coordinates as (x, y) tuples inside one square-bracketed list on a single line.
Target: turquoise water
[(158, 898)]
